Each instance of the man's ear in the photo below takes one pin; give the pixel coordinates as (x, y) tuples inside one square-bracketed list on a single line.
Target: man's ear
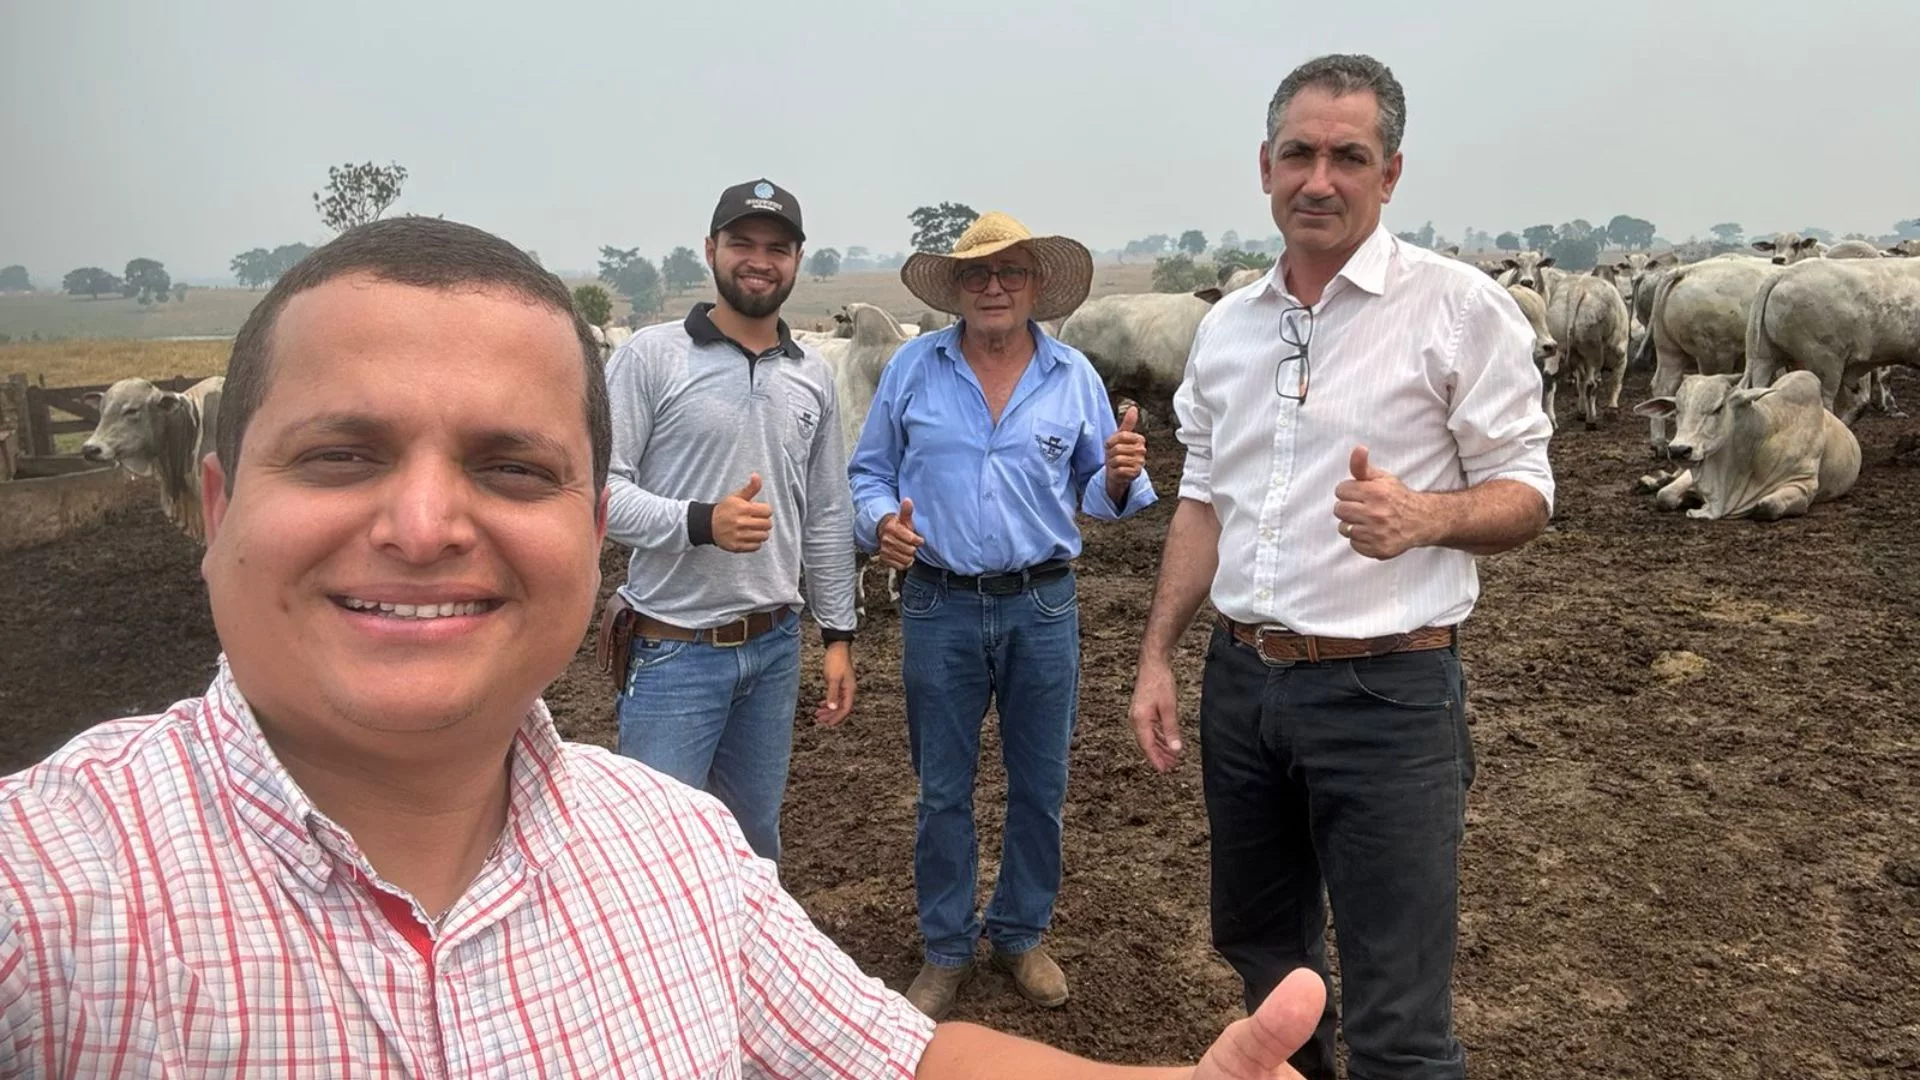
[(600, 515), (213, 496)]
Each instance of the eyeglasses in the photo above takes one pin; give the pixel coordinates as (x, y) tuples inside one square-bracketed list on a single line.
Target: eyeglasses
[(1296, 329), (1012, 278)]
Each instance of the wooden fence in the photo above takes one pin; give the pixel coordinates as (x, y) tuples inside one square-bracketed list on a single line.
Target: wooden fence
[(35, 405)]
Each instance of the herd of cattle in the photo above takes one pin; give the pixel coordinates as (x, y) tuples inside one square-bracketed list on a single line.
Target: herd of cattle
[(1761, 364)]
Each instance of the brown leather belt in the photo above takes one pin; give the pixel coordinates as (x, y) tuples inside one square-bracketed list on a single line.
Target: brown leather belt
[(1286, 647), (726, 635)]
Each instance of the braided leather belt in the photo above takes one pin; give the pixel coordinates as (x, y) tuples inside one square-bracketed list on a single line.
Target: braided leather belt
[(1286, 647)]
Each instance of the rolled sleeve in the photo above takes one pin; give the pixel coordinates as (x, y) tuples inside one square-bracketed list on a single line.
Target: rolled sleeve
[(1193, 417), (1496, 417), (1096, 503)]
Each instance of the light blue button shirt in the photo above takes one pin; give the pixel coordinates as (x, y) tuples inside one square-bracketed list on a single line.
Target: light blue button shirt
[(989, 498)]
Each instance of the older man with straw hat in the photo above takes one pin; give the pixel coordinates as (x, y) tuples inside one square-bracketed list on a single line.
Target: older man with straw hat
[(982, 441)]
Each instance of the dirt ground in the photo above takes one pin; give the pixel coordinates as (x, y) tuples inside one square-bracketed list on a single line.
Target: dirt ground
[(1694, 844)]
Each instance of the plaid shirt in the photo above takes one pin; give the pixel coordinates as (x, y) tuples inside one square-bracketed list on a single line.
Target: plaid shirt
[(171, 904)]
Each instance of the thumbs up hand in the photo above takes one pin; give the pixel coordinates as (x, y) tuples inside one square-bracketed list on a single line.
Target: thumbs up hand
[(1126, 449), (739, 524), (898, 541), (1377, 513)]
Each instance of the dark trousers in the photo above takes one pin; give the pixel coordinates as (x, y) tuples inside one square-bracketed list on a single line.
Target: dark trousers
[(1350, 775)]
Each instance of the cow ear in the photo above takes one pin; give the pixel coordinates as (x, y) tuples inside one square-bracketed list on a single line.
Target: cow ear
[(169, 401), (1806, 242), (1763, 245), (1663, 259), (1660, 406), (1511, 264), (93, 398), (1546, 262), (1211, 294)]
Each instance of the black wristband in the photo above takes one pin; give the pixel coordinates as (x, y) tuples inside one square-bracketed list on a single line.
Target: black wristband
[(699, 523)]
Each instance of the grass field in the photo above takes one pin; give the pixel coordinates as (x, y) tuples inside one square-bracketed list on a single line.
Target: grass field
[(58, 317), (92, 361)]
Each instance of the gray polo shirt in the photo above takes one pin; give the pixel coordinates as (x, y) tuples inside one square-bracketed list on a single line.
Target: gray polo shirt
[(694, 414)]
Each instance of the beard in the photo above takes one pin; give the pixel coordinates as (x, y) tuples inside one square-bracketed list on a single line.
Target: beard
[(752, 305)]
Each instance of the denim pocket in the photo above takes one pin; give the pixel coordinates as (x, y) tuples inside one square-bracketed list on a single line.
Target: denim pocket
[(1055, 599), (919, 597), (1411, 680)]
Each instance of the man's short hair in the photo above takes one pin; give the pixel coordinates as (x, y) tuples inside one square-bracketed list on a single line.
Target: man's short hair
[(424, 252), (1341, 74)]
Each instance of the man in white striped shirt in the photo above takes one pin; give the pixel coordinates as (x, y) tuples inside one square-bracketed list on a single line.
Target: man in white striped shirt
[(1359, 425)]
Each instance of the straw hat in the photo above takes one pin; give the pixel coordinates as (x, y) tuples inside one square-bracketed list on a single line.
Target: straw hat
[(1065, 267)]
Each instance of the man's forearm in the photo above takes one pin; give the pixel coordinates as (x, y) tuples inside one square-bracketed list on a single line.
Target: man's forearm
[(1187, 565), (1487, 518), (970, 1052)]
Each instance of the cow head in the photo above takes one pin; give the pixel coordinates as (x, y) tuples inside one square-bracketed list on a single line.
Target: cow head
[(1707, 408), (1789, 248), (1905, 249), (1525, 269), (133, 426)]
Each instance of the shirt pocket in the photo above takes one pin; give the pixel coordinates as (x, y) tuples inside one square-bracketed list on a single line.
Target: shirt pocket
[(1049, 451)]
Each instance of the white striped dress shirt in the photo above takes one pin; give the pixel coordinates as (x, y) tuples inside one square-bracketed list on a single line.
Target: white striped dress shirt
[(1422, 359)]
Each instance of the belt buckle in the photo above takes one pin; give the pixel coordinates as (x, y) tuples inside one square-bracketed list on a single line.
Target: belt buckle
[(1260, 644), (714, 638)]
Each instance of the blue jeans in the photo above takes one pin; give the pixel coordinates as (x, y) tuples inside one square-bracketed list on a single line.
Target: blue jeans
[(959, 651), (720, 719)]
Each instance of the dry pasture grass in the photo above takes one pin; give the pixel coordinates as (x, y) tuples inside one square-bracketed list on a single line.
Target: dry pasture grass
[(96, 361)]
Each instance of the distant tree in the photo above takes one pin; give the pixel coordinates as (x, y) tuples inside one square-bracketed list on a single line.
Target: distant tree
[(856, 260), (1179, 273), (936, 228), (1825, 236), (1506, 241), (823, 264), (1908, 229), (1728, 232), (14, 279), (633, 277), (252, 269), (148, 281), (1627, 231), (1193, 242), (285, 258), (357, 194), (90, 282), (1577, 229), (593, 303), (682, 270), (1229, 241), (180, 292), (1234, 259), (1538, 237), (1575, 254), (1424, 235)]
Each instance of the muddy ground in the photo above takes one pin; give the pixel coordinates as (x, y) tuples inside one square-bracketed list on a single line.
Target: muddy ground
[(1694, 844)]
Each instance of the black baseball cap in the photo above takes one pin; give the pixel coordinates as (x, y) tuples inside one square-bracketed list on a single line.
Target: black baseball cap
[(762, 197)]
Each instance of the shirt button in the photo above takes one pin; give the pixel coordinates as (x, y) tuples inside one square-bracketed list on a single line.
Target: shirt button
[(1266, 534), (310, 855), (1265, 594)]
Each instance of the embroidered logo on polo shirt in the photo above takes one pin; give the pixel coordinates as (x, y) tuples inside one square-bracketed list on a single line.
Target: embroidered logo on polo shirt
[(808, 422)]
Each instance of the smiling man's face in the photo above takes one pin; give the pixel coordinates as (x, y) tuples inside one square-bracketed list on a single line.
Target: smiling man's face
[(755, 263), (412, 539)]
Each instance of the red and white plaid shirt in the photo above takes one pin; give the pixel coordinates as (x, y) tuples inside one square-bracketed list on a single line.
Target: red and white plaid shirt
[(171, 904)]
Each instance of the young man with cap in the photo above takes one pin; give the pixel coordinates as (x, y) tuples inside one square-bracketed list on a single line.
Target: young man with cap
[(728, 480), (982, 441)]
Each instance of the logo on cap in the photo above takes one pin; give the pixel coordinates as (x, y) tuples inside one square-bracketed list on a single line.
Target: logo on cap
[(763, 190)]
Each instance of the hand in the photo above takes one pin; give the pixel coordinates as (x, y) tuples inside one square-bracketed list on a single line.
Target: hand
[(1257, 1048), (836, 668), (1156, 714), (898, 541), (1126, 451), (1378, 514), (739, 523)]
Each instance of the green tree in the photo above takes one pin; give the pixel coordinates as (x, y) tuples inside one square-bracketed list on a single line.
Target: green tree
[(856, 260), (682, 270), (1908, 229), (1627, 231), (936, 228), (1575, 254), (593, 303), (1234, 259), (1538, 237), (180, 292), (1506, 241), (1577, 229), (357, 194), (1179, 273), (1825, 236), (823, 264), (1193, 242), (253, 269), (1230, 240), (90, 282), (148, 281), (14, 279), (1728, 232), (633, 277), (285, 258)]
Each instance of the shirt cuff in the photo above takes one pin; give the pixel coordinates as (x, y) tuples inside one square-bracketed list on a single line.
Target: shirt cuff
[(866, 525), (1096, 503), (828, 635), (699, 523)]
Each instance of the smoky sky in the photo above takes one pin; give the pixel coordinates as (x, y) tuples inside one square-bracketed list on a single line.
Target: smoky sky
[(191, 131)]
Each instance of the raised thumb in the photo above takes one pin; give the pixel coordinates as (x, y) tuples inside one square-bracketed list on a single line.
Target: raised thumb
[(905, 517), (1358, 463), (1132, 418), (1261, 1044), (751, 489)]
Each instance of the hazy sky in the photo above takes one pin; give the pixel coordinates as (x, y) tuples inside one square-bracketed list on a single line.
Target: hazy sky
[(191, 130)]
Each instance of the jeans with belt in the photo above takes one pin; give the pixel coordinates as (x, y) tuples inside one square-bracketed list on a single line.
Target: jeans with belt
[(718, 718), (962, 649), (1350, 775)]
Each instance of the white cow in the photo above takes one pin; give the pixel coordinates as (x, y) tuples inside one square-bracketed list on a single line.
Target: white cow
[(1138, 342), (858, 361), (1767, 452), (1531, 270), (1586, 316), (1546, 351), (1853, 249), (1905, 249), (1699, 323), (153, 432), (1788, 248), (1838, 319)]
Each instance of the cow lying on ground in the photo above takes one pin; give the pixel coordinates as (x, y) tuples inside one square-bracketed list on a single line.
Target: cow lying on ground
[(150, 431), (1768, 452)]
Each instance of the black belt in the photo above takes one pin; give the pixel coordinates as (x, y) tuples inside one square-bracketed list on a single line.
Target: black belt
[(1007, 584)]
